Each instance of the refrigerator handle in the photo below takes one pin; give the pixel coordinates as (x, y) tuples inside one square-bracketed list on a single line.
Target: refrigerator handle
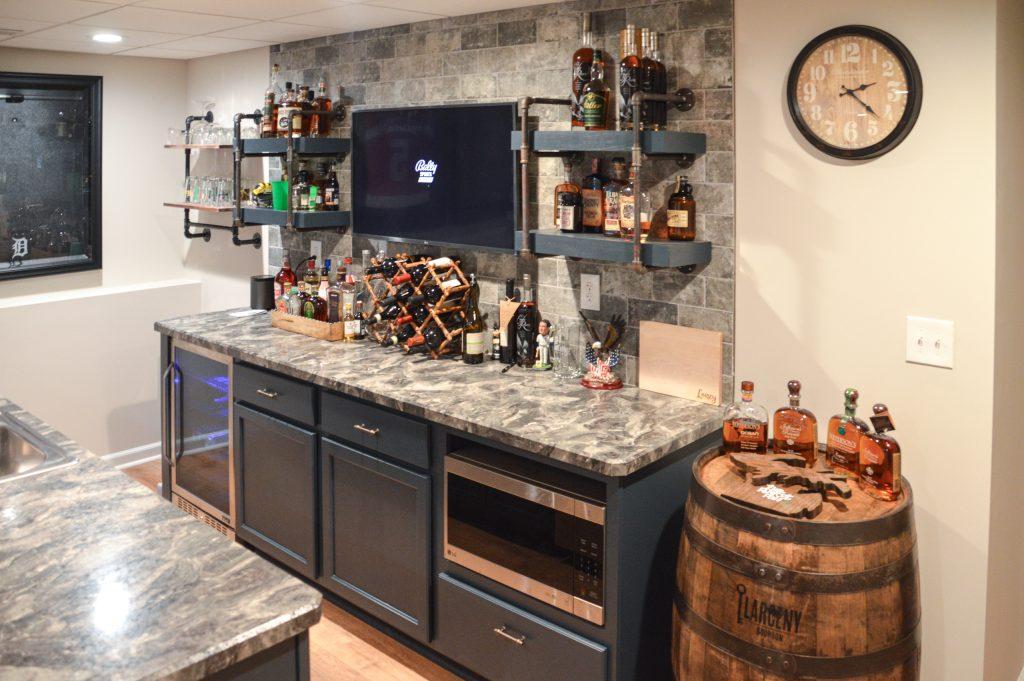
[(179, 425), (166, 451)]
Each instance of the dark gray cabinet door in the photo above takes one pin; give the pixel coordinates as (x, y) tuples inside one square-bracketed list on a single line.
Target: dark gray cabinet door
[(376, 536), (275, 495)]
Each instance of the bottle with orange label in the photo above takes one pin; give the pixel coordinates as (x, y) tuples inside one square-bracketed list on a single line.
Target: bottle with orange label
[(795, 428), (844, 433), (880, 458), (745, 428)]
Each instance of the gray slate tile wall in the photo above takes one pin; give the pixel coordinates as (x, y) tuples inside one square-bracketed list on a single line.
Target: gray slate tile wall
[(501, 56)]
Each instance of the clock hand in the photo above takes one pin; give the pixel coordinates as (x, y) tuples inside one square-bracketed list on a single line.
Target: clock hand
[(852, 93), (863, 86)]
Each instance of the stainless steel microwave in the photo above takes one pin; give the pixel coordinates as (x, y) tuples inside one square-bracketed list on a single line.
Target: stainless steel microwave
[(527, 535)]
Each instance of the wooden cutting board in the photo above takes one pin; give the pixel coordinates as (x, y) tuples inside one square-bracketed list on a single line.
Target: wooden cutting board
[(680, 361)]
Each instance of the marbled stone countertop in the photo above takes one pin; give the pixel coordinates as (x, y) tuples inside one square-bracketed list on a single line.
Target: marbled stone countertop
[(613, 432), (102, 579)]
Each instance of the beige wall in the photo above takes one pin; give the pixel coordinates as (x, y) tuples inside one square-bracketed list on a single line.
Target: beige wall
[(1004, 630), (832, 256)]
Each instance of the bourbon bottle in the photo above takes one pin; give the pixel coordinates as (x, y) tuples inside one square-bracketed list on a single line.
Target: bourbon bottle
[(682, 212), (612, 192), (595, 97), (844, 433), (745, 428), (593, 199), (568, 204), (795, 428), (271, 100), (320, 126), (880, 458), (582, 61), (629, 76)]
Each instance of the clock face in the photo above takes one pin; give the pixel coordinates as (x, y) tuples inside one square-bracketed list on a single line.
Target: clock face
[(854, 92)]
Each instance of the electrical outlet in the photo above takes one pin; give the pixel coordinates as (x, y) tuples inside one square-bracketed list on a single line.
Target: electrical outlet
[(316, 249), (930, 341), (590, 291)]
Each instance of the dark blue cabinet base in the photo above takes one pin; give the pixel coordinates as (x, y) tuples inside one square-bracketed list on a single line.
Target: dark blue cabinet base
[(286, 661)]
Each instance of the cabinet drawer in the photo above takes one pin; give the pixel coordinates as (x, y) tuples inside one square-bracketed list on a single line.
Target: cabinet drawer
[(503, 643), (375, 428), (284, 396)]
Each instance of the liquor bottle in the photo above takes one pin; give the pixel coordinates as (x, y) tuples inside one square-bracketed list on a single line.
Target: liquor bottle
[(682, 212), (281, 302), (334, 305), (300, 122), (347, 284), (300, 188), (360, 321), (568, 204), (349, 320), (629, 75), (271, 98), (311, 277), (661, 85), (286, 110), (582, 60), (507, 349), (525, 324), (331, 190), (319, 183), (284, 278), (880, 458), (648, 79), (320, 126), (633, 209), (294, 301), (612, 190), (745, 428), (842, 448), (495, 342), (595, 97), (473, 332), (796, 429), (325, 279), (314, 307), (593, 199)]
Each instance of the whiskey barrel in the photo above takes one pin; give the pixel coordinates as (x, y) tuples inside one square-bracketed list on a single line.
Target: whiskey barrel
[(764, 597)]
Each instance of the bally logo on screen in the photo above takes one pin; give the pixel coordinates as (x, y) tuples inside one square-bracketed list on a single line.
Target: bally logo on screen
[(426, 170)]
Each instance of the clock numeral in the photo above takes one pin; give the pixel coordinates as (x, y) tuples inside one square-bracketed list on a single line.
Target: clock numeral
[(895, 91), (829, 56), (816, 112), (850, 132), (818, 72), (872, 127), (850, 53), (810, 92), (830, 128), (874, 55), (888, 111), (888, 68)]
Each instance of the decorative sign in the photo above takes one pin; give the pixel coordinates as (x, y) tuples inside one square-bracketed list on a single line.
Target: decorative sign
[(766, 476), (682, 362), (426, 170)]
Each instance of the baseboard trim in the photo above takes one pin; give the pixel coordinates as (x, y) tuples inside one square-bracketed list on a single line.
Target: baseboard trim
[(133, 456)]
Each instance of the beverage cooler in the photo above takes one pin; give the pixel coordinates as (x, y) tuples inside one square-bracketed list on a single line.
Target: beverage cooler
[(197, 442)]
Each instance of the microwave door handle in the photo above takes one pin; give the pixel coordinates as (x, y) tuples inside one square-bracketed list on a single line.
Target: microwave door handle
[(168, 457)]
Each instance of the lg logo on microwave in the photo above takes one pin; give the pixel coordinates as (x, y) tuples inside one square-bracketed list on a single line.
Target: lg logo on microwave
[(426, 170)]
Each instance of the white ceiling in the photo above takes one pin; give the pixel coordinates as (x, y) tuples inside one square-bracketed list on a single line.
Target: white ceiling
[(186, 29)]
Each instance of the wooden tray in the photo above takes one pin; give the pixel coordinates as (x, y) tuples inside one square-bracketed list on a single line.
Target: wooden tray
[(308, 327)]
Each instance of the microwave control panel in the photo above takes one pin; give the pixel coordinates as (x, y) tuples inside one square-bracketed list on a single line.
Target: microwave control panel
[(588, 563)]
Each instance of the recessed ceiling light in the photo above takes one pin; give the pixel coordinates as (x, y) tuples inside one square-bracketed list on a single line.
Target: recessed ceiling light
[(107, 38)]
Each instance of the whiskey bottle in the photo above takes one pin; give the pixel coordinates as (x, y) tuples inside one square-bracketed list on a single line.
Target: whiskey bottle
[(682, 211), (582, 61), (568, 204), (311, 276), (271, 98), (612, 190), (844, 433), (325, 279), (360, 325), (350, 327), (320, 126), (880, 458), (629, 75), (595, 96), (299, 122), (525, 324), (473, 332), (796, 429), (593, 199), (286, 111), (661, 85), (285, 277), (314, 307), (745, 428), (331, 190), (633, 209), (648, 79), (300, 188), (295, 301)]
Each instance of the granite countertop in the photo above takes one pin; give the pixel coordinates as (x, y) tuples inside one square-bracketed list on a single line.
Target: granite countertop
[(100, 578), (615, 432)]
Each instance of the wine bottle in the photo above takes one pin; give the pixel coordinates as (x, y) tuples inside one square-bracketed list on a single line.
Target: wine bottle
[(473, 333), (400, 296), (506, 354)]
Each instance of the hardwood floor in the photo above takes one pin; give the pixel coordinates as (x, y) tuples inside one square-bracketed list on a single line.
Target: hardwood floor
[(341, 646)]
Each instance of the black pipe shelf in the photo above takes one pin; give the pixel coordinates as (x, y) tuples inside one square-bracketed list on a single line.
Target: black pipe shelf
[(653, 142), (304, 146), (653, 253), (303, 219)]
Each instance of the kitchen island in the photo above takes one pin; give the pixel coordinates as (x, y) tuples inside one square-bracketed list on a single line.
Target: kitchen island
[(101, 579), (520, 527)]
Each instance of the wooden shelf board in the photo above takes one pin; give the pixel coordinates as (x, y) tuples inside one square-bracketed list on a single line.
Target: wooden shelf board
[(196, 206)]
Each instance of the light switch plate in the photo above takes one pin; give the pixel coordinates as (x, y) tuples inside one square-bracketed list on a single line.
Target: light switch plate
[(316, 249), (590, 291), (930, 341)]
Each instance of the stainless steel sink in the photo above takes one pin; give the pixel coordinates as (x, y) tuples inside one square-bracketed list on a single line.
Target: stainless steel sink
[(23, 453)]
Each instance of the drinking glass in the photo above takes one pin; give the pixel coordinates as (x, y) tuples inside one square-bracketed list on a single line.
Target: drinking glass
[(568, 355), (174, 136)]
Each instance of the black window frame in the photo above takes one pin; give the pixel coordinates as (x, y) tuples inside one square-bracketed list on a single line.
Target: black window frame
[(93, 85)]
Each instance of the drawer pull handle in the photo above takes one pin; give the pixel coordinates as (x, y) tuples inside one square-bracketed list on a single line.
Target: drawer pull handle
[(267, 392), (372, 432), (518, 639)]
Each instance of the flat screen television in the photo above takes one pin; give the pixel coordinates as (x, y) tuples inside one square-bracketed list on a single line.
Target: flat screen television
[(435, 175)]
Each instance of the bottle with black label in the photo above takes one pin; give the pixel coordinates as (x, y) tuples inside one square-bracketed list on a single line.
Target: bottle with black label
[(331, 190), (526, 324), (473, 332), (582, 61), (629, 76)]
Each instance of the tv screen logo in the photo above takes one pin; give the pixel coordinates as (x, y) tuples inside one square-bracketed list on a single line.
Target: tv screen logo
[(426, 170)]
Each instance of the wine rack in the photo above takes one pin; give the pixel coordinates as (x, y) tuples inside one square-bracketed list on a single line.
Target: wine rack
[(453, 300)]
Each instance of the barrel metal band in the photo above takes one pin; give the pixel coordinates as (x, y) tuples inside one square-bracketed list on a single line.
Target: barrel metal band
[(800, 666), (797, 580), (789, 530)]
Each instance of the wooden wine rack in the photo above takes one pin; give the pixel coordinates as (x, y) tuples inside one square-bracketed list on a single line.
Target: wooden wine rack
[(453, 299)]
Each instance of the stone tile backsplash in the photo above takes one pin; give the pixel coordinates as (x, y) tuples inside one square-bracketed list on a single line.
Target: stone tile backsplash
[(505, 55)]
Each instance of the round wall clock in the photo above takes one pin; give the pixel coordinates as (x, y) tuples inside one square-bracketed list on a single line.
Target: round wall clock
[(854, 92)]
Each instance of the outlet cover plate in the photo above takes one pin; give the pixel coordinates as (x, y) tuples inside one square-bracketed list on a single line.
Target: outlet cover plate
[(930, 341), (316, 248), (590, 292)]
